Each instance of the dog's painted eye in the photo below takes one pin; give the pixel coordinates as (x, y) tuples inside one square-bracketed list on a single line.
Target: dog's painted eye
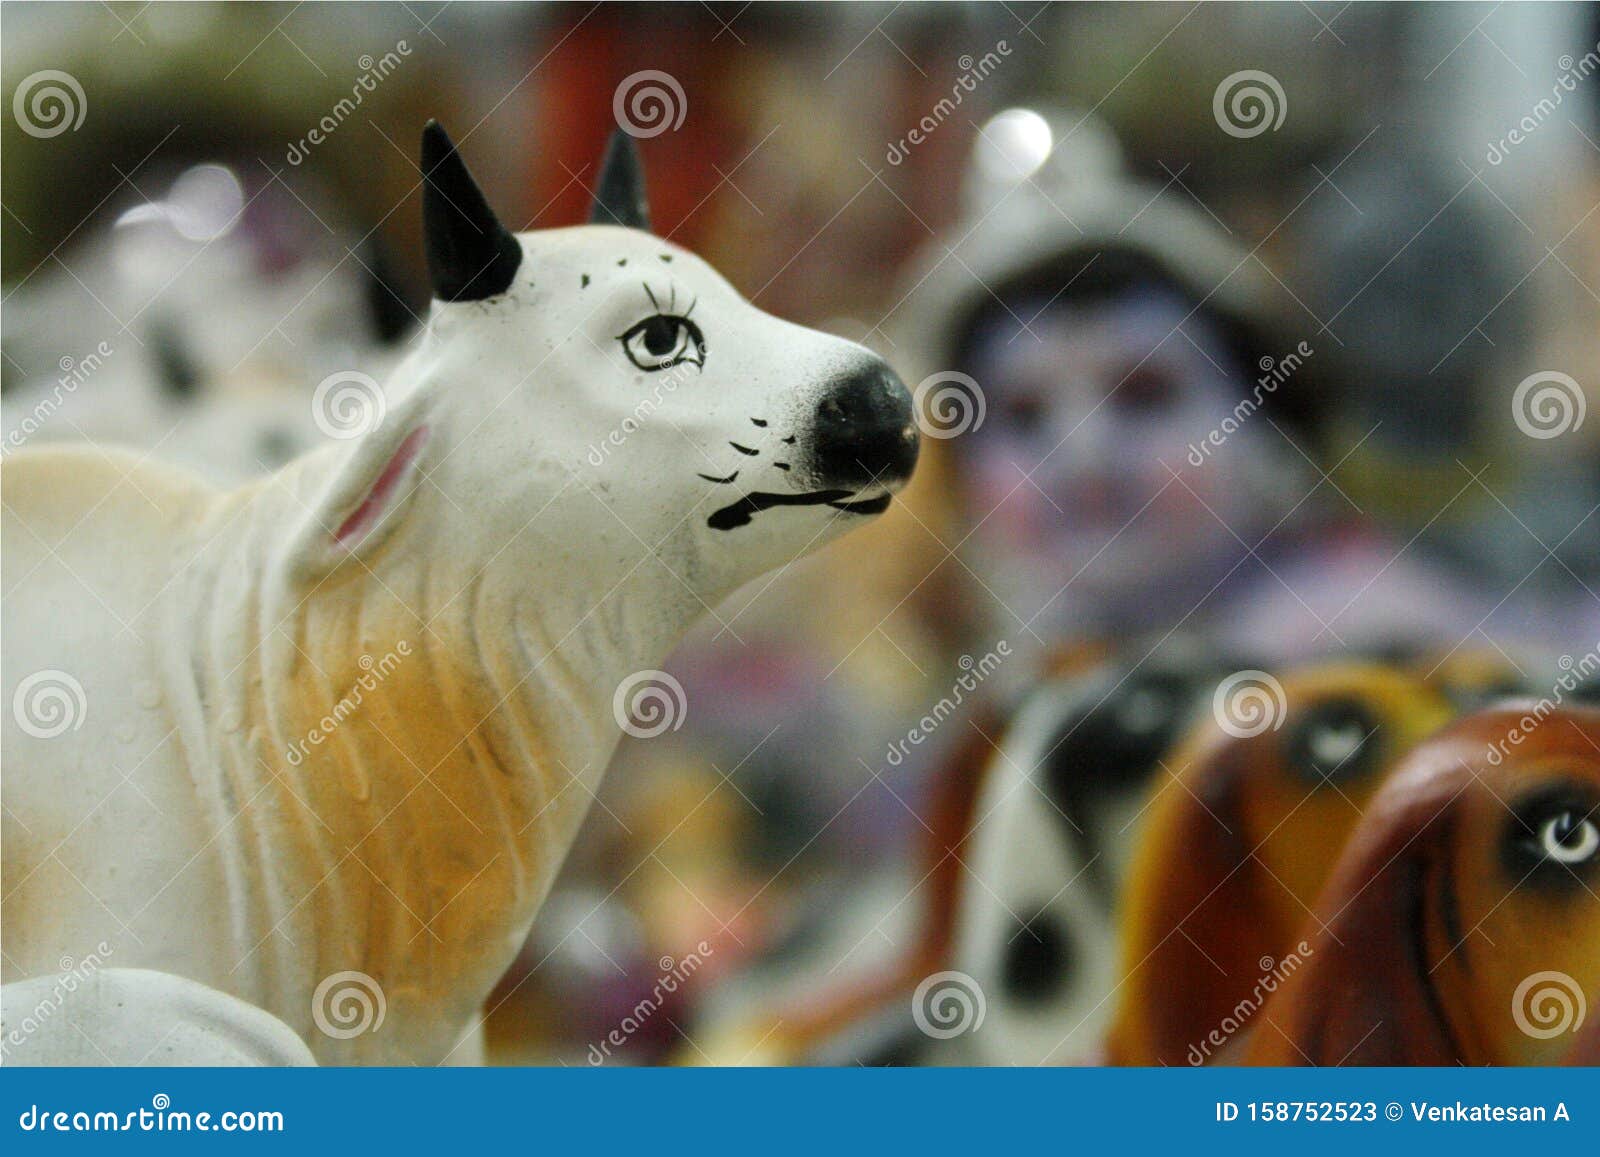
[(663, 341), (1552, 835), (1336, 740), (1569, 838)]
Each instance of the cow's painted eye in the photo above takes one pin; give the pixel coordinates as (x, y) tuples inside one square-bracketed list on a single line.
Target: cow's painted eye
[(664, 341)]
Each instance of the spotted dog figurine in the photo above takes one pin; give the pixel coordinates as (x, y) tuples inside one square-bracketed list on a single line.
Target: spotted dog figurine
[(348, 718), (1029, 823), (1056, 819)]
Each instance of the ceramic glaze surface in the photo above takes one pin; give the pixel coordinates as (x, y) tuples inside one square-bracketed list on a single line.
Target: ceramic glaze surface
[(350, 717)]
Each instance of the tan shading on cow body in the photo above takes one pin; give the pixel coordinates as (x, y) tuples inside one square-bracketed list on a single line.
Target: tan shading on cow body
[(350, 716)]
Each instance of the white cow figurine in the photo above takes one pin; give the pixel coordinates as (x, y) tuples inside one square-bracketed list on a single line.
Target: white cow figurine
[(131, 1016), (346, 720)]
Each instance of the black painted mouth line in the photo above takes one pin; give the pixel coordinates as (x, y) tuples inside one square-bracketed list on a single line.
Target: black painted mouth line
[(866, 506), (739, 513)]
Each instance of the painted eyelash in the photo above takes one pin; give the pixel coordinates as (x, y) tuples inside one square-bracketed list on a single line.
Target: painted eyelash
[(655, 302), (672, 300)]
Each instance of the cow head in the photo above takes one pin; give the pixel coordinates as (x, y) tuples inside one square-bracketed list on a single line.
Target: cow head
[(601, 390)]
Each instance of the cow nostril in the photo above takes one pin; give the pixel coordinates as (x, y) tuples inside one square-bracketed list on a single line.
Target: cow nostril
[(863, 432)]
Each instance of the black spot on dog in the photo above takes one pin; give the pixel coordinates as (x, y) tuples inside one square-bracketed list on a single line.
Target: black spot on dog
[(622, 262), (744, 449), (1038, 960), (758, 421), (585, 284), (781, 465), (666, 257), (789, 441)]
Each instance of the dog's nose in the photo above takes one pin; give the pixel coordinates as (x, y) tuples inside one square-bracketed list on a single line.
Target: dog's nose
[(864, 433)]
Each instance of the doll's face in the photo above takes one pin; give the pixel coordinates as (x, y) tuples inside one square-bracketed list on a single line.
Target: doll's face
[(1080, 470)]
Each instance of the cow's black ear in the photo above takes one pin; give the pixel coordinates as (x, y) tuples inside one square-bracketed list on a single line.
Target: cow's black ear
[(470, 254), (619, 198)]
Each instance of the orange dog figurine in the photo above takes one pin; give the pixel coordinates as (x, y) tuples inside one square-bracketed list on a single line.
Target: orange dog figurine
[(1460, 924), (1239, 842)]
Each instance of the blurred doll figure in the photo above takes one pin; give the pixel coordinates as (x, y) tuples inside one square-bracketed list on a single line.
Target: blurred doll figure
[(1136, 430), (1092, 334)]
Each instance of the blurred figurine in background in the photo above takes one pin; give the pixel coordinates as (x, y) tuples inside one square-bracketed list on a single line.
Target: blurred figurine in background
[(1030, 833), (1086, 332), (198, 327), (1134, 423), (1459, 926), (1239, 841), (1057, 823), (1121, 855)]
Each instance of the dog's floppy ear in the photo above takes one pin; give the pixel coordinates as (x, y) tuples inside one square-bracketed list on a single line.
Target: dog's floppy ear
[(619, 198), (1372, 991), (470, 254), (1191, 888)]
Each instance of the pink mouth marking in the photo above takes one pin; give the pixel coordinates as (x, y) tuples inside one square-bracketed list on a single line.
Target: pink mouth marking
[(364, 517)]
